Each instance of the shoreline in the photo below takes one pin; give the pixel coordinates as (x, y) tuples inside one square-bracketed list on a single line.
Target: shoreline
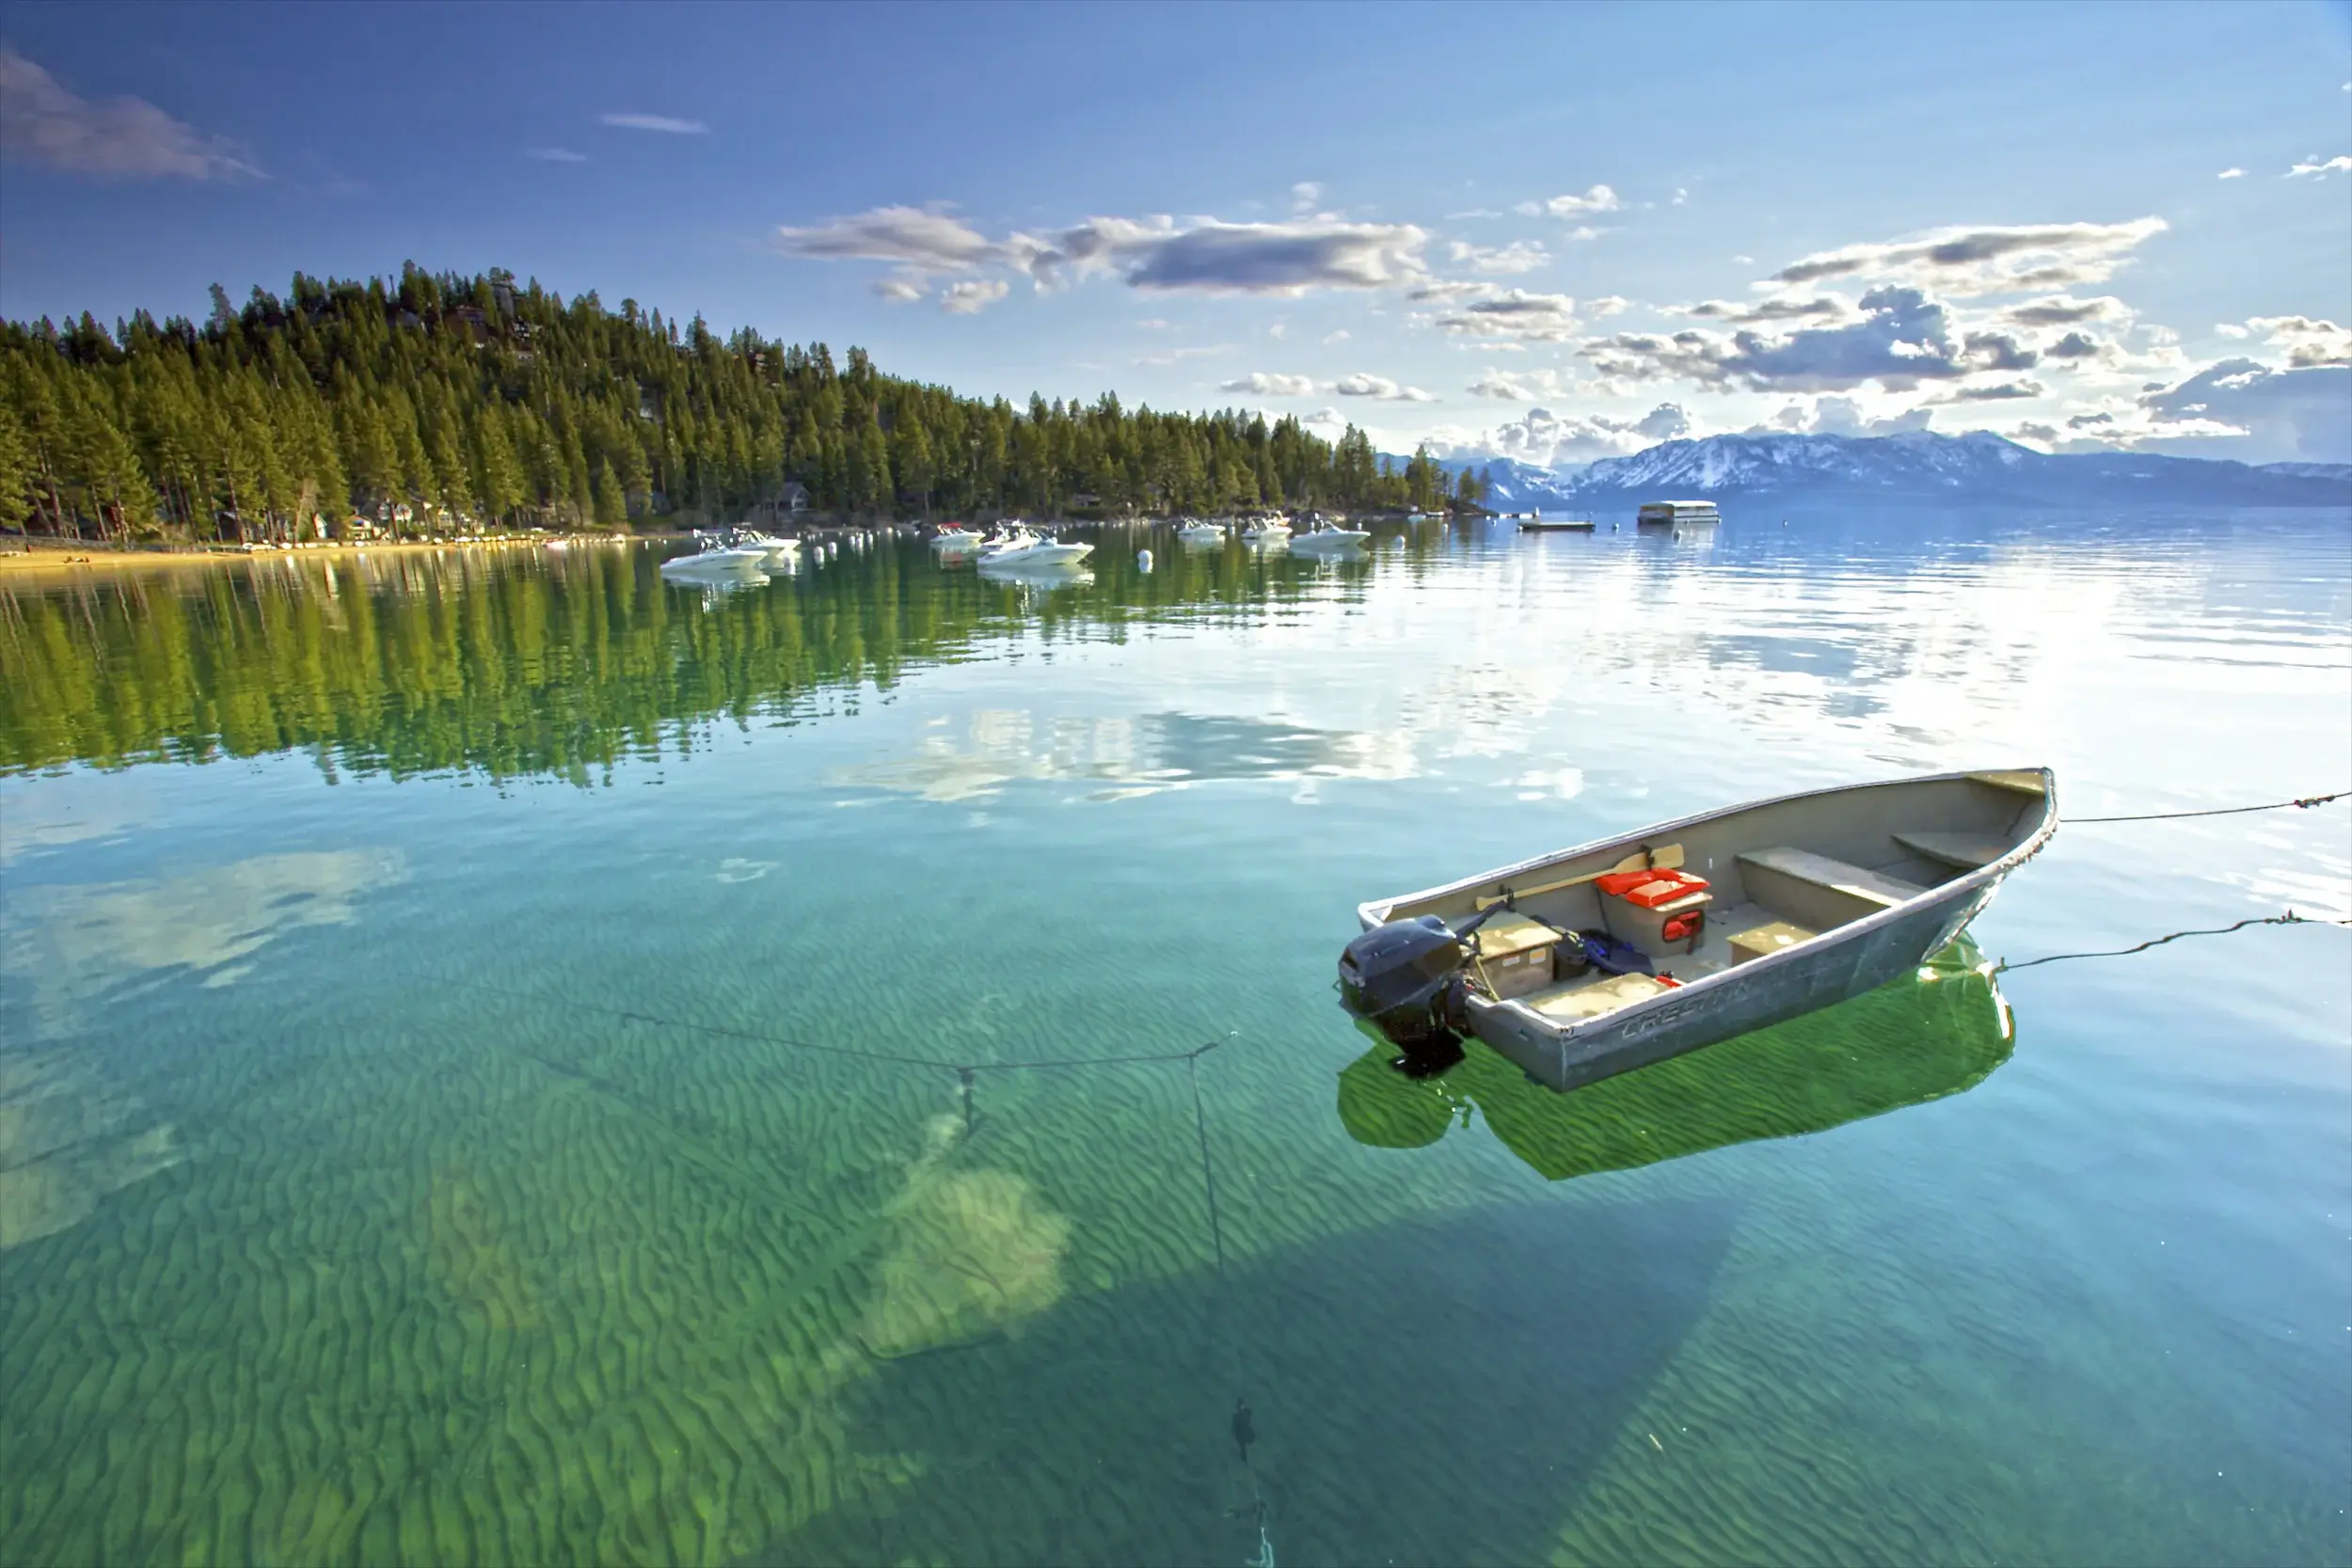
[(60, 562)]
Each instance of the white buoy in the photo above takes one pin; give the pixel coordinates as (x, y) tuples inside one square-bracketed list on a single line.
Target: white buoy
[(1143, 560)]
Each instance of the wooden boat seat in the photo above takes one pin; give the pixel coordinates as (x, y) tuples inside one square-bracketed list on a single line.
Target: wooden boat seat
[(1582, 999), (1961, 851), (1816, 892)]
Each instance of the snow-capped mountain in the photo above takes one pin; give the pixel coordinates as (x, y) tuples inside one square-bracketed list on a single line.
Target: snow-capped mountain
[(1915, 466)]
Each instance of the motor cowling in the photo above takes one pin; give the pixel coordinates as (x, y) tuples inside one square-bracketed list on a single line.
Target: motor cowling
[(1405, 978)]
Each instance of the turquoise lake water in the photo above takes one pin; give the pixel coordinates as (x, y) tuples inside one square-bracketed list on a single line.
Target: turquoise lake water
[(508, 1060)]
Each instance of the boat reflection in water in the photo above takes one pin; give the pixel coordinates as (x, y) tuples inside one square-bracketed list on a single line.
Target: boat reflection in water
[(1937, 1032)]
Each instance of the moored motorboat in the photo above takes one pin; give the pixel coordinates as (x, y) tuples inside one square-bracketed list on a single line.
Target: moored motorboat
[(956, 539), (1019, 548), (1202, 534), (1327, 539), (779, 552), (718, 557), (1592, 962), (1267, 532)]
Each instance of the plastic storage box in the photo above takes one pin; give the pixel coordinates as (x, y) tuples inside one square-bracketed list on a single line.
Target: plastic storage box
[(1661, 913)]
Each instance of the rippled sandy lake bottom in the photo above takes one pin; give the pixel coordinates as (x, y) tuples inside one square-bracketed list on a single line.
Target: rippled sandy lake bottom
[(482, 1077)]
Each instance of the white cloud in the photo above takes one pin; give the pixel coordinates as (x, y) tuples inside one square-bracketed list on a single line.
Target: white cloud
[(1304, 195), (1586, 231), (1836, 416), (1518, 386), (925, 241), (1268, 384), (1339, 337), (2064, 310), (2230, 174), (2241, 409), (972, 295), (1152, 324), (1546, 440), (2318, 169), (120, 138), (1279, 331), (897, 289), (1680, 196), (1537, 317), (667, 125), (1963, 261), (1517, 256), (1207, 256), (1600, 198), (1608, 305), (1364, 386), (556, 155), (1901, 338), (2308, 344)]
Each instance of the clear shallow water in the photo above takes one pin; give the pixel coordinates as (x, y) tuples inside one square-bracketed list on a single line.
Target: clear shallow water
[(437, 1128)]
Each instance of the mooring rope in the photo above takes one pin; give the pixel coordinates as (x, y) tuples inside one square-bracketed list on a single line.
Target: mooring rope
[(2304, 803), (2290, 918), (631, 1015)]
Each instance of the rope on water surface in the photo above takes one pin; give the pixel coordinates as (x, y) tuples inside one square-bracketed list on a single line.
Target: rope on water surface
[(2305, 803), (2290, 918), (965, 1069)]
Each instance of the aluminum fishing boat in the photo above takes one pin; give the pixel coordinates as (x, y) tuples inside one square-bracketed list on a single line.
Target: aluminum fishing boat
[(1595, 961)]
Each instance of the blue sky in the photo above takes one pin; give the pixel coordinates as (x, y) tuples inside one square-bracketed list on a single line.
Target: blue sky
[(1555, 234)]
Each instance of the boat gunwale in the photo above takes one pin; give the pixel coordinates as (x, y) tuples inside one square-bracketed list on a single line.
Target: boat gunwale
[(1984, 876)]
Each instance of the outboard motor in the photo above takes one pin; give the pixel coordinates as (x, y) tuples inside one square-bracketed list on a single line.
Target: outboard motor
[(1405, 979)]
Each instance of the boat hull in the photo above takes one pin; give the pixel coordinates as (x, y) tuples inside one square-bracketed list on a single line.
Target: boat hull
[(1832, 966), (1850, 962)]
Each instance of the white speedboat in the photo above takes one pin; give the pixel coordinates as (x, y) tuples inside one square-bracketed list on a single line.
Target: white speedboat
[(780, 552), (1328, 540), (1202, 534), (717, 558), (953, 540), (1019, 548), (1266, 532)]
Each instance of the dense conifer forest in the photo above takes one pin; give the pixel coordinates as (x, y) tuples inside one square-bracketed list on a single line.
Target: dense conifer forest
[(440, 403)]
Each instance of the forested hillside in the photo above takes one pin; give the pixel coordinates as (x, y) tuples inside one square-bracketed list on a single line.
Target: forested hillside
[(441, 403)]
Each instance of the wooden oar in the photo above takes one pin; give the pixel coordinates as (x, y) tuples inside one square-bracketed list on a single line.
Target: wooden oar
[(1666, 857)]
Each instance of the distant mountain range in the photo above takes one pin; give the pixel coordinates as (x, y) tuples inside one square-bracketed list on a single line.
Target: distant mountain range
[(1979, 467)]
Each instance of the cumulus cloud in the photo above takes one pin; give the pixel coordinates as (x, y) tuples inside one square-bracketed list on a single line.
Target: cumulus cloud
[(2239, 409), (2074, 345), (1364, 386), (1600, 198), (972, 295), (1540, 318), (1901, 339), (1518, 386), (668, 125), (1608, 305), (1963, 261), (1517, 256), (2230, 174), (1268, 384), (43, 122), (1304, 195), (909, 236), (2307, 343), (1836, 416), (1547, 439), (897, 288), (556, 155), (2314, 168)]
